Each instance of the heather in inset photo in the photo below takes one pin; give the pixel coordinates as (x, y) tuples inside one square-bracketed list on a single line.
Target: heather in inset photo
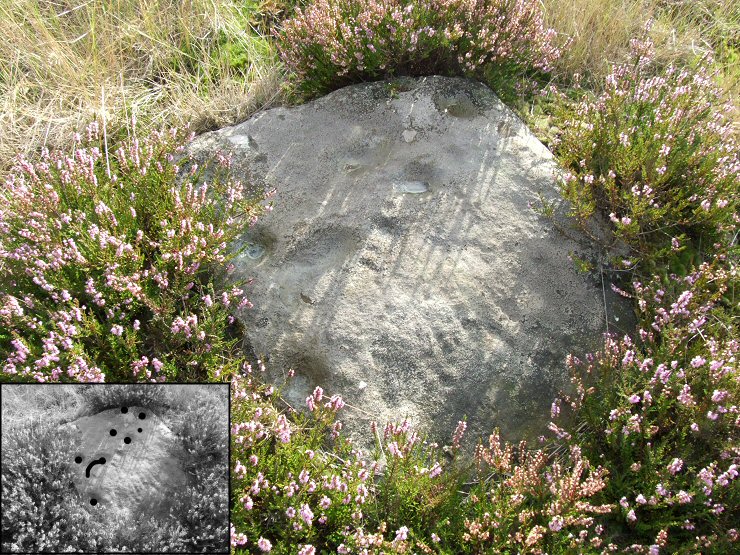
[(115, 468)]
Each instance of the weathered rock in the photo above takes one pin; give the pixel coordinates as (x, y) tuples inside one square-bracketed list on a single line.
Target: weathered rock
[(126, 459), (404, 266)]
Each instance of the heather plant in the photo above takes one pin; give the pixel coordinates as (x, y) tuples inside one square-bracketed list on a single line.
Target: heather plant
[(205, 439), (656, 153), (331, 43), (112, 262), (661, 414), (299, 485), (295, 480), (202, 506)]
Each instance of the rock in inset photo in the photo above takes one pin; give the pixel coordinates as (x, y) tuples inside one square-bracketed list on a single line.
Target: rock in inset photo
[(115, 468)]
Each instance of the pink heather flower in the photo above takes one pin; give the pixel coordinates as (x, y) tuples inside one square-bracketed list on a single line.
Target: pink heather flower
[(654, 550), (555, 408), (631, 516), (634, 398), (394, 450), (675, 466), (624, 503), (264, 545), (706, 205), (675, 244), (435, 471), (683, 497), (306, 514), (694, 427), (698, 361), (685, 396), (557, 523), (290, 512), (719, 395), (237, 540), (640, 499), (318, 394), (401, 534), (307, 550), (248, 503), (435, 538), (712, 415), (660, 490), (325, 502), (459, 432), (117, 330), (335, 403)]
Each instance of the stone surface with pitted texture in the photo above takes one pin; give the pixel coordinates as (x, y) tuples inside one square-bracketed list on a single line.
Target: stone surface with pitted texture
[(128, 456), (403, 264)]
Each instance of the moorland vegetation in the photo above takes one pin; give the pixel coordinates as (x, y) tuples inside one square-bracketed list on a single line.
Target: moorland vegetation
[(114, 249)]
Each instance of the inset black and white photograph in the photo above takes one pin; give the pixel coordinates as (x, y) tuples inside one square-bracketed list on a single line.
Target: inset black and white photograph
[(115, 468)]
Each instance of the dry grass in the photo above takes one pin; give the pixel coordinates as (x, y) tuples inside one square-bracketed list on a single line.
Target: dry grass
[(599, 31), (65, 62)]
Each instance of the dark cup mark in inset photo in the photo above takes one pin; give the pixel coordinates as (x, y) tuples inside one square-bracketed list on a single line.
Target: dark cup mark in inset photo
[(113, 432), (78, 459), (127, 440), (142, 416), (124, 410), (93, 501), (139, 430)]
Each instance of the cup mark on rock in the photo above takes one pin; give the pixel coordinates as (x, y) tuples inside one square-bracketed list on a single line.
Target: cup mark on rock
[(411, 187), (255, 252)]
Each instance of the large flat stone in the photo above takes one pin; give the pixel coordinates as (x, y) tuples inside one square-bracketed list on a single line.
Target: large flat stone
[(403, 265), (142, 463)]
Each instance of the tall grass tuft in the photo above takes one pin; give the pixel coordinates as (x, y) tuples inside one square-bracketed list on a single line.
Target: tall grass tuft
[(63, 64)]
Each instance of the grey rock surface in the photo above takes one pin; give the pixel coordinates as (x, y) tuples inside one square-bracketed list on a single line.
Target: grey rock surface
[(404, 266)]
